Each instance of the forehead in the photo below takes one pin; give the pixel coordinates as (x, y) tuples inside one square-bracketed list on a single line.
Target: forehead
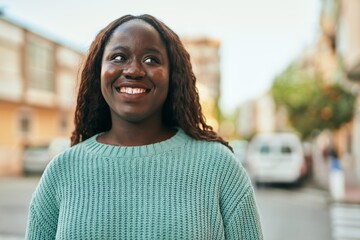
[(134, 31)]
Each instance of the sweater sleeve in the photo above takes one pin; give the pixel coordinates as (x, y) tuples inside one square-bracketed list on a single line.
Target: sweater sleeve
[(244, 222), (240, 213), (44, 207)]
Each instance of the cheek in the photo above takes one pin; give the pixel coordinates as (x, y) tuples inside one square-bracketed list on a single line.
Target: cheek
[(107, 72), (163, 77), (106, 76)]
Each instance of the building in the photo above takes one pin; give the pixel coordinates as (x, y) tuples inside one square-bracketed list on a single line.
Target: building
[(336, 59), (205, 59), (246, 124), (37, 90), (348, 41), (261, 115), (348, 37)]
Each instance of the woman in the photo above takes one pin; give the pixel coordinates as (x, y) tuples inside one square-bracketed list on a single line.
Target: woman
[(144, 164)]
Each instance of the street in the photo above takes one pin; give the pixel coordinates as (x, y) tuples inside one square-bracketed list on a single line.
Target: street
[(15, 195), (286, 213), (345, 220), (294, 213)]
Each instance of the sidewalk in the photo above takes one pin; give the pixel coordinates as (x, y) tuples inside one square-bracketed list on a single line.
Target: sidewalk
[(352, 193), (322, 174), (350, 188), (15, 196)]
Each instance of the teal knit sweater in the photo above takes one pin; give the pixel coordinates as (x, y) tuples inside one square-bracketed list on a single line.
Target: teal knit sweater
[(180, 188)]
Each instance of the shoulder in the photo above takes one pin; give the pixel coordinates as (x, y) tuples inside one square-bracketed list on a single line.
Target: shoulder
[(212, 151), (217, 157), (232, 173), (232, 179), (59, 167), (64, 158)]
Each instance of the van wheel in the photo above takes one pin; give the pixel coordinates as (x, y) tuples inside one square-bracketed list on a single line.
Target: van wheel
[(299, 183), (259, 184)]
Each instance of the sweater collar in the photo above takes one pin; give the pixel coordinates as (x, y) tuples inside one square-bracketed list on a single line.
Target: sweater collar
[(93, 146)]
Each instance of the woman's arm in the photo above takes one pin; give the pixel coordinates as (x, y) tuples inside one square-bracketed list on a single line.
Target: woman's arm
[(44, 207), (238, 205)]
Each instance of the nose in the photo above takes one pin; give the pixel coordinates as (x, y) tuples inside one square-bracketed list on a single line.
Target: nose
[(134, 70)]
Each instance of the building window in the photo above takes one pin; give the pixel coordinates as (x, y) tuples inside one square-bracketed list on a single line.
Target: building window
[(64, 122), (40, 64), (25, 122)]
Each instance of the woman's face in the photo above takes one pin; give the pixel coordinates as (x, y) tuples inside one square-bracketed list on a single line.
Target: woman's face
[(135, 73)]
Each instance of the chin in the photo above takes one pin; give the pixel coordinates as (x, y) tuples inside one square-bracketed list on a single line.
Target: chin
[(137, 118)]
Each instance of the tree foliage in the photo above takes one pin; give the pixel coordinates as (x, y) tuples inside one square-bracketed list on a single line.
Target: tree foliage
[(312, 104)]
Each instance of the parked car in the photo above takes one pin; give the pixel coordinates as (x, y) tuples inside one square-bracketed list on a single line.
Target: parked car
[(36, 158), (277, 158), (57, 145)]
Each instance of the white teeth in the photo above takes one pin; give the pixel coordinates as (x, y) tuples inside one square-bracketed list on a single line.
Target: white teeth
[(130, 90)]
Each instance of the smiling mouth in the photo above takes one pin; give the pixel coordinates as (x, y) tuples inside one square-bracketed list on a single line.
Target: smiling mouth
[(132, 91)]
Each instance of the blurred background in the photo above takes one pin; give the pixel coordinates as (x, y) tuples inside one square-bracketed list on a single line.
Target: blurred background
[(279, 79)]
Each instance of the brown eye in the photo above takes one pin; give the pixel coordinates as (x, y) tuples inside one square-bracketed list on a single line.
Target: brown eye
[(118, 58), (151, 60)]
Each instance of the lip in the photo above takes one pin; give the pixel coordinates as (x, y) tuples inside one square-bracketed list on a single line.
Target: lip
[(135, 85), (132, 91)]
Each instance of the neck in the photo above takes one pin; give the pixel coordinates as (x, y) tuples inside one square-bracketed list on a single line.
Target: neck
[(136, 134)]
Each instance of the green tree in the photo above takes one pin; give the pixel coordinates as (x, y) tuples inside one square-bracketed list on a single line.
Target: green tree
[(310, 103)]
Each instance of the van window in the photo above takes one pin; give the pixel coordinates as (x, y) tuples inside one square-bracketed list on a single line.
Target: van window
[(264, 149), (286, 149)]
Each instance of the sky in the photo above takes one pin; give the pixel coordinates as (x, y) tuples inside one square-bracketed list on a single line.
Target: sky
[(259, 38)]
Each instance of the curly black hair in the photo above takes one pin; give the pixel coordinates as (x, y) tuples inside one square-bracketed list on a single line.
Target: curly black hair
[(182, 107)]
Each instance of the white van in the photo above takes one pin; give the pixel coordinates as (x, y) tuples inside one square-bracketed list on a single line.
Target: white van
[(276, 158)]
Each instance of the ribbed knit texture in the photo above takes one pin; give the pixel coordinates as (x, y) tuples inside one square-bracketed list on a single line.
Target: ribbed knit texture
[(180, 188)]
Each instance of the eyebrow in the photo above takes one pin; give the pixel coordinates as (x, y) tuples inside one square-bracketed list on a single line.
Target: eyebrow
[(153, 50), (124, 48), (119, 47)]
